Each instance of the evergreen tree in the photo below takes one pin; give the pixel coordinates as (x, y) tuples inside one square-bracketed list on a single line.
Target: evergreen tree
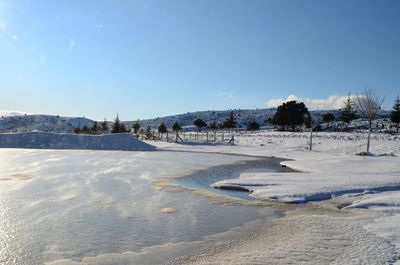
[(149, 133), (85, 130), (176, 127), (213, 125), (328, 117), (122, 128), (290, 114), (348, 113), (162, 128), (78, 130), (395, 114), (200, 124), (136, 127), (95, 128), (230, 122), (253, 126), (308, 120), (104, 126), (116, 127)]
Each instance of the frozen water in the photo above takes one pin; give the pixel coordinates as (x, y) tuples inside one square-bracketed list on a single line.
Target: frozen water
[(102, 207)]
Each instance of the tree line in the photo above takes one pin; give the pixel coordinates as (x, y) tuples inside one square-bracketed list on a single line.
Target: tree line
[(289, 116)]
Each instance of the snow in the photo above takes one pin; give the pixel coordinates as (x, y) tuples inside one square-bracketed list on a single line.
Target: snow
[(367, 184), (388, 205), (6, 113), (42, 140), (366, 231), (22, 122), (326, 177), (44, 123)]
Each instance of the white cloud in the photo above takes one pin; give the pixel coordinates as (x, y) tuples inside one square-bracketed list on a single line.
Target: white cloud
[(331, 102), (7, 113), (227, 94)]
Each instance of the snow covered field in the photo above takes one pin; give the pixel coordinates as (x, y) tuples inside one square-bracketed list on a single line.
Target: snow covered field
[(351, 215), (42, 140), (369, 185)]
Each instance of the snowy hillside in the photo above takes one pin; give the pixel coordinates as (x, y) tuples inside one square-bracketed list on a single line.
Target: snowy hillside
[(186, 120), (40, 140), (57, 124), (44, 123), (261, 116), (7, 113)]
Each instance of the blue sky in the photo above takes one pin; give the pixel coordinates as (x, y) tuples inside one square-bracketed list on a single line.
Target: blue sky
[(145, 59)]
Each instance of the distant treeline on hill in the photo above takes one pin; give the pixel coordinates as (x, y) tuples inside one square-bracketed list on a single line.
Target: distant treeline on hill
[(288, 116)]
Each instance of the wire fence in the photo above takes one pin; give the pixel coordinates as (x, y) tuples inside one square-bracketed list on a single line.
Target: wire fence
[(215, 137)]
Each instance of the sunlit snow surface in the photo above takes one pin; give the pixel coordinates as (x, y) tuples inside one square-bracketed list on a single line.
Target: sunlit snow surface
[(101, 207)]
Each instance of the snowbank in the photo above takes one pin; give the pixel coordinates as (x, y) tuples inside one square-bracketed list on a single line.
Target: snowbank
[(388, 205), (324, 178), (370, 183), (42, 140)]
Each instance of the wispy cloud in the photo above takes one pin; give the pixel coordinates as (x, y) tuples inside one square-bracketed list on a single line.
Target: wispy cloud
[(6, 113), (227, 94), (331, 102)]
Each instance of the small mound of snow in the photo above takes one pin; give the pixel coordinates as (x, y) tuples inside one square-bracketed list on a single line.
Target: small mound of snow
[(364, 154), (375, 155), (167, 210), (42, 140)]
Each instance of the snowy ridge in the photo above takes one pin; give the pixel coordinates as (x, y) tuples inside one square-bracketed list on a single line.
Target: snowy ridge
[(6, 113), (186, 120), (244, 117), (41, 140), (58, 124), (44, 123)]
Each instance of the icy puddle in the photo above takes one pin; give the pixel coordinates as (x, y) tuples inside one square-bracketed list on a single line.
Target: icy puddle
[(97, 207), (202, 179)]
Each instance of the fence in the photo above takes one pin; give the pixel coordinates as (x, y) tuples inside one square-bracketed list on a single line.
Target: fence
[(198, 137)]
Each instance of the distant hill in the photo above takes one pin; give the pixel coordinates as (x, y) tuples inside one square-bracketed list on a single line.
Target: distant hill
[(58, 124), (44, 123), (186, 120), (261, 116)]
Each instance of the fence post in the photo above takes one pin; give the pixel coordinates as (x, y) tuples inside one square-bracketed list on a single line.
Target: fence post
[(223, 139), (207, 136), (232, 140)]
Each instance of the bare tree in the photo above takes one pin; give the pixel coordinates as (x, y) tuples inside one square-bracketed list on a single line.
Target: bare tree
[(368, 105)]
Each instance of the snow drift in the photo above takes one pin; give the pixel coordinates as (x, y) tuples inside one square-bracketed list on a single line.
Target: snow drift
[(42, 140)]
